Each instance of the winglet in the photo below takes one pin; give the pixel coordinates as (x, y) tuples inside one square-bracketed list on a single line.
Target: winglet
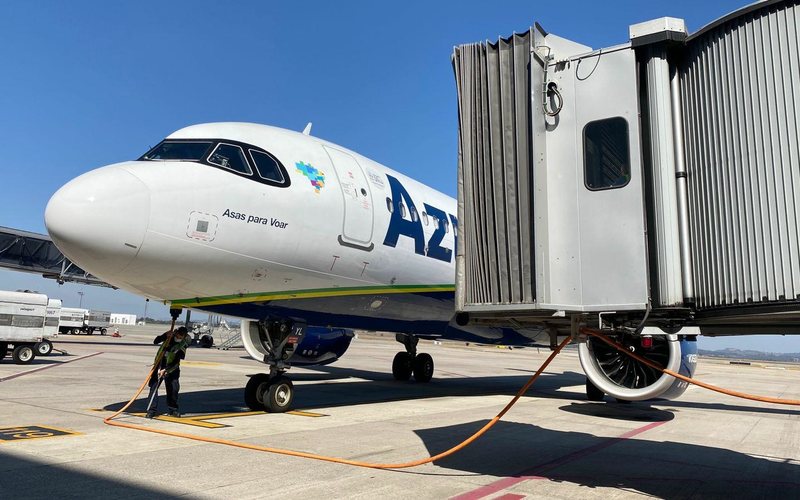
[(307, 130)]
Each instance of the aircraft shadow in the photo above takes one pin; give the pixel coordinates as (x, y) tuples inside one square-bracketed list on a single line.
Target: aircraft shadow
[(385, 389), (662, 469), (23, 478)]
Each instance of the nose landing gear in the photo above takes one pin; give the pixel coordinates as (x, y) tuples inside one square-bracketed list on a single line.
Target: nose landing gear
[(274, 392), (408, 362)]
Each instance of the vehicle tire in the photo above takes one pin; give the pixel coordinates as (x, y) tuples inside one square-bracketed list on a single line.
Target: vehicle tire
[(103, 331), (206, 341), (3, 349), (44, 348), (279, 395), (593, 393), (423, 367), (23, 354), (402, 366), (251, 391)]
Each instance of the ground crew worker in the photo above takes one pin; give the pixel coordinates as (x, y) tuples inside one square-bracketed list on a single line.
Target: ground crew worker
[(169, 368)]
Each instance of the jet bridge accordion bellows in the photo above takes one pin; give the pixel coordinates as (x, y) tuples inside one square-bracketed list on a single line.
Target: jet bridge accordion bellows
[(494, 82), (740, 82)]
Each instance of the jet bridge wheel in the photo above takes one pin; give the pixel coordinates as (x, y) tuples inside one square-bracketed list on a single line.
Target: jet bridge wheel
[(44, 348), (593, 393)]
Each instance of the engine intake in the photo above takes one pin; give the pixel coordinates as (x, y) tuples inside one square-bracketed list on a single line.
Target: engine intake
[(622, 377), (305, 345)]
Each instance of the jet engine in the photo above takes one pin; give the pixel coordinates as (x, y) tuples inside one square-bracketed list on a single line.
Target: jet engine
[(297, 344), (622, 377)]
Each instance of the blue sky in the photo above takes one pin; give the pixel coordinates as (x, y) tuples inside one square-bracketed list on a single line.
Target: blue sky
[(85, 84)]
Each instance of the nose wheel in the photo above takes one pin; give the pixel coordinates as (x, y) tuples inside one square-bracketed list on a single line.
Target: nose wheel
[(272, 394), (408, 362)]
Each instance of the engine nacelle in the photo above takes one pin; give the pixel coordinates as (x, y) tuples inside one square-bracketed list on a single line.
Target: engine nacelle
[(306, 345), (621, 376)]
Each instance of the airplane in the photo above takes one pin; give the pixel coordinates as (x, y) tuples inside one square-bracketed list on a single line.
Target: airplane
[(302, 239)]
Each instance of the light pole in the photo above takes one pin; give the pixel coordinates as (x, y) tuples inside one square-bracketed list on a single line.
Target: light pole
[(144, 318), (80, 303)]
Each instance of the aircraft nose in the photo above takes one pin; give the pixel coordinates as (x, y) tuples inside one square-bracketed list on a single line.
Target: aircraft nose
[(99, 219)]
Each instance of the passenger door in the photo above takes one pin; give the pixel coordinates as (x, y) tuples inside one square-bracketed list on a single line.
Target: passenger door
[(357, 227)]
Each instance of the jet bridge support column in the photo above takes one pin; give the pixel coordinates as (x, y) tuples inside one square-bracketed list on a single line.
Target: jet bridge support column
[(670, 256)]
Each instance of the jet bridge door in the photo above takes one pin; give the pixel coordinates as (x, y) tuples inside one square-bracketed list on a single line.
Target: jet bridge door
[(592, 253), (357, 227)]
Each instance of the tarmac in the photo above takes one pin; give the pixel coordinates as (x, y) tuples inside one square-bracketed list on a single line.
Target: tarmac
[(552, 444)]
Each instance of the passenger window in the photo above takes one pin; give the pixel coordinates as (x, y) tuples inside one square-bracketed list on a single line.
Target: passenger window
[(425, 218), (446, 226), (402, 209), (605, 154), (230, 157), (267, 166), (414, 216), (389, 205)]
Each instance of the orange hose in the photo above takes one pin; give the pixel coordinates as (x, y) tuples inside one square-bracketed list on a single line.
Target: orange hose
[(656, 366), (345, 461)]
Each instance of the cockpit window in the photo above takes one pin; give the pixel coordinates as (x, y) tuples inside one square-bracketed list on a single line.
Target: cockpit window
[(230, 157), (267, 166), (233, 156), (179, 150)]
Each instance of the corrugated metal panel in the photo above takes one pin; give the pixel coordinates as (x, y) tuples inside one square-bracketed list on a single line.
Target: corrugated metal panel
[(494, 91), (741, 84)]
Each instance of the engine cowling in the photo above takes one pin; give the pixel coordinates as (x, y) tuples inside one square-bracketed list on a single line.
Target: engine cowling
[(307, 345), (621, 376)]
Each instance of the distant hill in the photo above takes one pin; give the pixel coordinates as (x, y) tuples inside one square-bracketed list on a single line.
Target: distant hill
[(731, 353)]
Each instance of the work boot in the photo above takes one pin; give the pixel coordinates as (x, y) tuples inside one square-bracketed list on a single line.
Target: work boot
[(150, 414), (173, 412)]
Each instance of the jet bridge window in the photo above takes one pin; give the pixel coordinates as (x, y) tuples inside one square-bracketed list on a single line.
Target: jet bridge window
[(605, 154), (179, 151), (231, 157)]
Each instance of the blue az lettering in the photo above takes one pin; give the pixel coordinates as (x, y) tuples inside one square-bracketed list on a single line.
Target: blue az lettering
[(399, 226), (435, 250)]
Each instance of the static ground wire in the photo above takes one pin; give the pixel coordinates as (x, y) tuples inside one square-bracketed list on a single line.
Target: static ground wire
[(404, 465)]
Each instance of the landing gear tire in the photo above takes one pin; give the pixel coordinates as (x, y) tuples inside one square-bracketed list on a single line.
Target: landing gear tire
[(23, 354), (278, 394), (593, 393), (3, 349), (251, 391), (423, 367), (44, 348), (402, 366)]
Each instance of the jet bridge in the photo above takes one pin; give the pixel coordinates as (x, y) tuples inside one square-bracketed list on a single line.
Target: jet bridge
[(653, 183), (35, 253)]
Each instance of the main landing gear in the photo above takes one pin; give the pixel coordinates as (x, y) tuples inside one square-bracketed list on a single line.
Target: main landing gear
[(408, 362), (274, 392)]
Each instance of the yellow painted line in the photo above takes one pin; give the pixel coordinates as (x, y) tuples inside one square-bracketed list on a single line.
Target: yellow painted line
[(306, 414), (200, 363), (185, 421), (214, 416)]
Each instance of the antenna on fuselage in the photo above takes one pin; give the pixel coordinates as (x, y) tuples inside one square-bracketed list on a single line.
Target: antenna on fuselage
[(307, 130)]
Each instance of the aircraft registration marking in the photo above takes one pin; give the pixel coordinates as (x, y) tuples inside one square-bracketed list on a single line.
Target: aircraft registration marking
[(32, 432)]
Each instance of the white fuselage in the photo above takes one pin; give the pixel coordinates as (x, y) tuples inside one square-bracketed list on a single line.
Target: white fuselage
[(195, 235)]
